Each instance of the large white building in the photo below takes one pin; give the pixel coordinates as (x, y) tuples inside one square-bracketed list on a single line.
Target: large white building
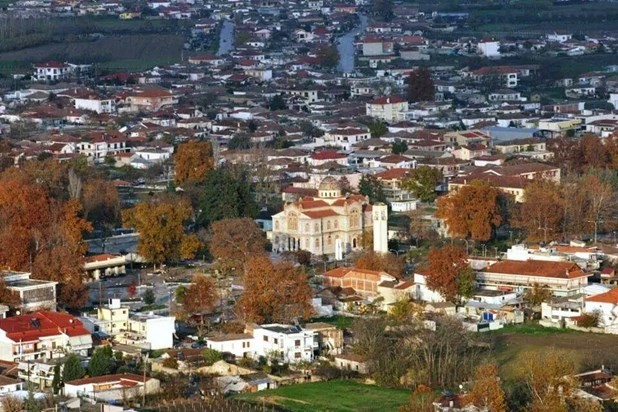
[(317, 224)]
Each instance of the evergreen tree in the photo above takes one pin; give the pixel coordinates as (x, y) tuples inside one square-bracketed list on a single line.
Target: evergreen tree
[(72, 370), (56, 381), (421, 86), (149, 297), (227, 194), (371, 187), (102, 361)]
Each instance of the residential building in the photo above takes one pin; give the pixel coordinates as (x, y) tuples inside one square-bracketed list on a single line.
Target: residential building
[(51, 71), (33, 294), (344, 138), (561, 278), (40, 372), (109, 388), (606, 305), (390, 109), (237, 344), (286, 343), (150, 100), (104, 144), (369, 284), (144, 330), (489, 48), (42, 335)]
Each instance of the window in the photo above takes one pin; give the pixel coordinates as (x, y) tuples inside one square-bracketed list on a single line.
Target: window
[(297, 355), (336, 224), (297, 343), (265, 338), (275, 341), (307, 227), (328, 224)]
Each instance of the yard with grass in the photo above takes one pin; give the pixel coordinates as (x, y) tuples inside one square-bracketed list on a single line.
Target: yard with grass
[(590, 350), (332, 396)]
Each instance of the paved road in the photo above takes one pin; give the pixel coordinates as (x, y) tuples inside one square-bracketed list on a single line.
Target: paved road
[(114, 244), (226, 38), (345, 46)]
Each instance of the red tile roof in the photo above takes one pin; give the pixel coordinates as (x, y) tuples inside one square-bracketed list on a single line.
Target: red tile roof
[(317, 214), (327, 155), (26, 327), (388, 100), (563, 270), (607, 297)]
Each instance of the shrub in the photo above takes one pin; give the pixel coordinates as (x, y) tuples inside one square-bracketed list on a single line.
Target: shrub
[(211, 356)]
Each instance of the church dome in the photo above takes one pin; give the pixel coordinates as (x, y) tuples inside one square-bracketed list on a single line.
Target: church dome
[(329, 188), (329, 183)]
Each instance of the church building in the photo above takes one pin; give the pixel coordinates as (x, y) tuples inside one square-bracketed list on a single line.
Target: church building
[(330, 224)]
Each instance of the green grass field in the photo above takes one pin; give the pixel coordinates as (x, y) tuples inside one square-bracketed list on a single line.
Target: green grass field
[(342, 322), (333, 396)]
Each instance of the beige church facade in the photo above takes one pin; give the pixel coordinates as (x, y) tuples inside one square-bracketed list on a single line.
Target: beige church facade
[(319, 224)]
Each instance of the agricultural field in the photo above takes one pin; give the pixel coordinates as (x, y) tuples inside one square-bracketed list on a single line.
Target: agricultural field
[(513, 342), (121, 52), (332, 396)]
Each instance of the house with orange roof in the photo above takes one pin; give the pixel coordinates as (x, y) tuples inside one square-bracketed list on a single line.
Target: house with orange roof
[(606, 305), (561, 278), (42, 335), (369, 284)]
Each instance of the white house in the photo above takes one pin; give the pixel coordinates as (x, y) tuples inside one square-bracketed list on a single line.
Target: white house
[(238, 344), (424, 292), (290, 344), (109, 388), (144, 330), (286, 343), (343, 138), (42, 335), (51, 71), (95, 104), (606, 305), (489, 48), (390, 109)]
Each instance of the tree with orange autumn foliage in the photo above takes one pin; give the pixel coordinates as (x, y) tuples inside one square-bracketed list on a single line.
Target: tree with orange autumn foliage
[(421, 400), (234, 241), (385, 262), (274, 292), (201, 295), (42, 234), (449, 273), (161, 225), (542, 211), (193, 160), (473, 211), (486, 391)]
